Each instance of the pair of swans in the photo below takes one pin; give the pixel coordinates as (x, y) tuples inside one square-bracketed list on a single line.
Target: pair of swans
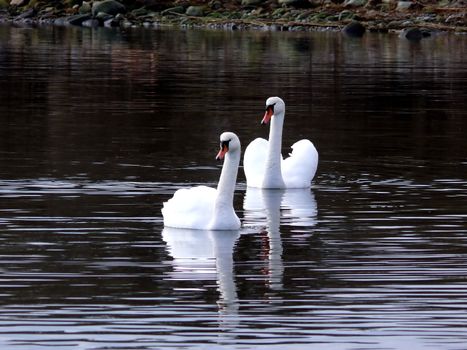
[(206, 208)]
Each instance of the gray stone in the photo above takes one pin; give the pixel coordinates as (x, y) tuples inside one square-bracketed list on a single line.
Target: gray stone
[(176, 9), (139, 12), (404, 5), (354, 3), (195, 11), (111, 7), (61, 21), (459, 3), (354, 29), (412, 34), (126, 24), (426, 33), (215, 5), (85, 8), (346, 14), (27, 14), (112, 22), (102, 16), (430, 17), (457, 19), (382, 28), (407, 24), (394, 25), (19, 3), (91, 23), (77, 20)]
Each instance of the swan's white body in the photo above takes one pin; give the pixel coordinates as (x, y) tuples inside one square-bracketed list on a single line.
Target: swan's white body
[(263, 163), (206, 208)]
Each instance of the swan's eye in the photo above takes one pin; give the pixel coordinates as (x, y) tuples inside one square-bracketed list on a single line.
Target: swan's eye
[(225, 144), (270, 108)]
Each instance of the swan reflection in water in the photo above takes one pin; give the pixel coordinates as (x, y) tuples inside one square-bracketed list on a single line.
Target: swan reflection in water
[(200, 255), (268, 209)]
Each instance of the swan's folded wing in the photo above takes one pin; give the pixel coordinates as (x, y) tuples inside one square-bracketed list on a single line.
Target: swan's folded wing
[(190, 208), (300, 167), (254, 161)]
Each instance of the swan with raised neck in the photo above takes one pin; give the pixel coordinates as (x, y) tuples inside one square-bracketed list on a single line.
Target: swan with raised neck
[(206, 208), (275, 112), (264, 166), (224, 214)]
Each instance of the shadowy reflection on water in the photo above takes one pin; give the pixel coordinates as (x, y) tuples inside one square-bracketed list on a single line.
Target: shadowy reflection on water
[(98, 128)]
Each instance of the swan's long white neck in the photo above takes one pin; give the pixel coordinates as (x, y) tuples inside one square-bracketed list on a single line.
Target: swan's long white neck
[(273, 172), (226, 186)]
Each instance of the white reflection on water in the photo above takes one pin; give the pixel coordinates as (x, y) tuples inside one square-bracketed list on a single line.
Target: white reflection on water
[(269, 208), (200, 255), (294, 207)]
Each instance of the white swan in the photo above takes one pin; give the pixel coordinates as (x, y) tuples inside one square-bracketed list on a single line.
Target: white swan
[(263, 163), (206, 208)]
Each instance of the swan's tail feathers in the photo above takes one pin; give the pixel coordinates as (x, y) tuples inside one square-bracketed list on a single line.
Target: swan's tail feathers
[(254, 162), (300, 167)]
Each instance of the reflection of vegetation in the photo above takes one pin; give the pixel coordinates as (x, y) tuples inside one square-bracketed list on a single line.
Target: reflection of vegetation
[(146, 82)]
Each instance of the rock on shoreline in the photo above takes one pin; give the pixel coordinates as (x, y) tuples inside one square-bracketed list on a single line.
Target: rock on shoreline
[(290, 15)]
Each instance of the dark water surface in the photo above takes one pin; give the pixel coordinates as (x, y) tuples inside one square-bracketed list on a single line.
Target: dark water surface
[(98, 128)]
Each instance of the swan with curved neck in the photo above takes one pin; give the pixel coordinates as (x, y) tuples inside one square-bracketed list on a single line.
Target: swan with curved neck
[(263, 163), (206, 208)]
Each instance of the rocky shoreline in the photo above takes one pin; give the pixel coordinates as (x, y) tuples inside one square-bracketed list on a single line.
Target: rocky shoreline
[(353, 16)]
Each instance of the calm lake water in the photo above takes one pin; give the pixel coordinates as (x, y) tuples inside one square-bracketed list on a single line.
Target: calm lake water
[(99, 127)]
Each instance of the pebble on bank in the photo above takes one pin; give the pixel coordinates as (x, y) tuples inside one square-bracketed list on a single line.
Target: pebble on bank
[(354, 17)]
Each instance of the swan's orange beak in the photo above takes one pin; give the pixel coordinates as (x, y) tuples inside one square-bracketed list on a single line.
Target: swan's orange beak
[(222, 152), (268, 114)]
